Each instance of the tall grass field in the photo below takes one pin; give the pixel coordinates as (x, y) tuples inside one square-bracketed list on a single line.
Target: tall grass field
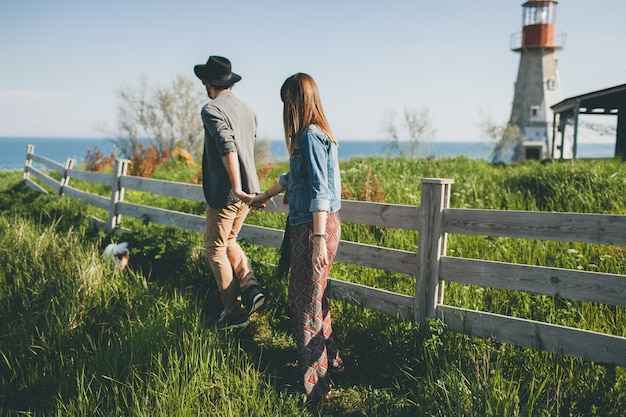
[(79, 337)]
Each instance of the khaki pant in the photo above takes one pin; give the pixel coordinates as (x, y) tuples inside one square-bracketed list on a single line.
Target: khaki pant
[(226, 256)]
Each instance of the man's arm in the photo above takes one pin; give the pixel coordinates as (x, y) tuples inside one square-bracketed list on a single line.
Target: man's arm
[(231, 164)]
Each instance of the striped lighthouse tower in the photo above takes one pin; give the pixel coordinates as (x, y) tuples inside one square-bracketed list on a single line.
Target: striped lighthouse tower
[(537, 87)]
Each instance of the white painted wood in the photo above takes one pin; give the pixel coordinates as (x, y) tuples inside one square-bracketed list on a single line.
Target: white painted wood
[(117, 193), (33, 185), (69, 163), (60, 168), (95, 177), (56, 185), (30, 150), (92, 199)]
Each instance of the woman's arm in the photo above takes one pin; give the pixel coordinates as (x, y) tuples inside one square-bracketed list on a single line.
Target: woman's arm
[(261, 200), (319, 236)]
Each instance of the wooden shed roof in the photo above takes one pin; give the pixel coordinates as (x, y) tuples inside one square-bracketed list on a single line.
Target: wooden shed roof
[(605, 101)]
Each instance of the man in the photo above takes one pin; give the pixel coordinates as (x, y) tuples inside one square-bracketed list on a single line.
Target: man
[(229, 181)]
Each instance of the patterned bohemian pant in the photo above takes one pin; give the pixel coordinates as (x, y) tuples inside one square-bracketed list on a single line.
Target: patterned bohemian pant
[(309, 307)]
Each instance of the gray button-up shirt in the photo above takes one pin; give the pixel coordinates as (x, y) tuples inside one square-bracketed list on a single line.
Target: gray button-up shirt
[(229, 126)]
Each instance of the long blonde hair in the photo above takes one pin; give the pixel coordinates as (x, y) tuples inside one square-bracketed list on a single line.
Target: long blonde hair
[(302, 107)]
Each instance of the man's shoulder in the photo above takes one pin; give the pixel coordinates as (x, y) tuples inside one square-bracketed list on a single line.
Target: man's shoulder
[(229, 101)]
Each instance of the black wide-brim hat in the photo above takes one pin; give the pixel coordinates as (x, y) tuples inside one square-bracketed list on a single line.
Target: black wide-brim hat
[(216, 72)]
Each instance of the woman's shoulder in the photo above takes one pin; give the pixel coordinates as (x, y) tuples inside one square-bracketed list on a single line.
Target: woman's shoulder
[(315, 132), (315, 129)]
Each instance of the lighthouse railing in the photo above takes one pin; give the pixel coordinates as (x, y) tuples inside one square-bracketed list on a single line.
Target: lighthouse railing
[(516, 41)]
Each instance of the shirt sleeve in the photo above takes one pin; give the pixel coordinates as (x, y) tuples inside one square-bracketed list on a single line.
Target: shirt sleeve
[(316, 160), (283, 180), (219, 129)]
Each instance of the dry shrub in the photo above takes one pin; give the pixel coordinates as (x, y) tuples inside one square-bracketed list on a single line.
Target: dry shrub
[(97, 161), (345, 193), (371, 190), (146, 161), (265, 170), (186, 156), (197, 179), (262, 173)]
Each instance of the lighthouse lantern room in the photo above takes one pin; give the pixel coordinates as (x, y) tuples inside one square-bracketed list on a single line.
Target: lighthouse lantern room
[(538, 23)]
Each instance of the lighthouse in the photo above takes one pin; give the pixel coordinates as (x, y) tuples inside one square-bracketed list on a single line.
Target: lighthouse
[(528, 134)]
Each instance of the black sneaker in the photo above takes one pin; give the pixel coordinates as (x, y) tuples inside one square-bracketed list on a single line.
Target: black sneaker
[(237, 322), (253, 299)]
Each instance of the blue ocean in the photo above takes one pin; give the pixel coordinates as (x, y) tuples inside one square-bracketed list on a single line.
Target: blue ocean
[(13, 150)]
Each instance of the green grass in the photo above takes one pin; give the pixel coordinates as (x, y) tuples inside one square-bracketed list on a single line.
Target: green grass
[(77, 337)]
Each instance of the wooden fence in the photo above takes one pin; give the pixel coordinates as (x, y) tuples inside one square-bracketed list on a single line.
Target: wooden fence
[(430, 265)]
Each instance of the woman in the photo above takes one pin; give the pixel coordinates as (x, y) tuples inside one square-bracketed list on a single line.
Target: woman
[(314, 192)]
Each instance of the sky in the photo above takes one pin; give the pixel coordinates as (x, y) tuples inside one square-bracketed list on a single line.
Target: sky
[(62, 61)]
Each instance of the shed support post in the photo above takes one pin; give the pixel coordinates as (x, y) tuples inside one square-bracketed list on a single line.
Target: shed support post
[(620, 140), (575, 145), (554, 131)]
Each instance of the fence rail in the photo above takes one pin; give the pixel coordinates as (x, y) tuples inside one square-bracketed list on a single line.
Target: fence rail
[(430, 265)]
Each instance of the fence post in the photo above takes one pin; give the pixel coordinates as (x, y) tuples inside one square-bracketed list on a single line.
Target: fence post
[(431, 246), (69, 164), (28, 162), (117, 193)]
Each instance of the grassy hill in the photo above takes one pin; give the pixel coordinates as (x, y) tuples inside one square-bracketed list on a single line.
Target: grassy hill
[(78, 337)]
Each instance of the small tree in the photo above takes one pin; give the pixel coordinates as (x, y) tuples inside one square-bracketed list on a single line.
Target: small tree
[(509, 147), (262, 151), (164, 116), (154, 122), (97, 161), (506, 138), (597, 129), (408, 138)]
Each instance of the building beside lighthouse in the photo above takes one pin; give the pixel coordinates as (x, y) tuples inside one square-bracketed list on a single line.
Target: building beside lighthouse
[(537, 88)]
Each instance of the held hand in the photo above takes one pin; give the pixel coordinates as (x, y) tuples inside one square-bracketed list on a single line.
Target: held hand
[(245, 197), (320, 256), (258, 201)]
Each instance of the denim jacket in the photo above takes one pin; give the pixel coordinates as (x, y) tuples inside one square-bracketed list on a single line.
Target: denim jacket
[(313, 182)]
